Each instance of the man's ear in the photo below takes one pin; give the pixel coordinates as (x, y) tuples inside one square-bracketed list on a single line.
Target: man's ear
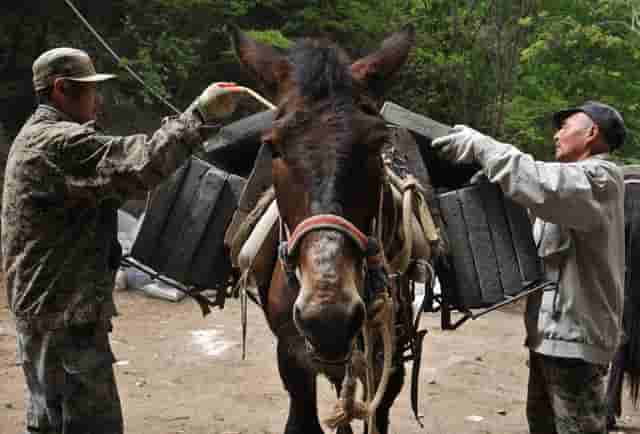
[(60, 94), (596, 140), (60, 86), (594, 132)]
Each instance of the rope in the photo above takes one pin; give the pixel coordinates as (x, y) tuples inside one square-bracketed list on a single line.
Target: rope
[(155, 93), (119, 59), (348, 407), (412, 200)]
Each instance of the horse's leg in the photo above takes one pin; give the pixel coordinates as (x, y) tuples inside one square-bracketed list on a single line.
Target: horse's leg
[(614, 387), (301, 385), (393, 390)]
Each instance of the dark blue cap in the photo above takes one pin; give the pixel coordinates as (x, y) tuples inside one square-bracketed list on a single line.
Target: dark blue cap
[(606, 117)]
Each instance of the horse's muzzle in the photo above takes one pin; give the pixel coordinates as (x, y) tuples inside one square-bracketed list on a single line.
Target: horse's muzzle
[(329, 328)]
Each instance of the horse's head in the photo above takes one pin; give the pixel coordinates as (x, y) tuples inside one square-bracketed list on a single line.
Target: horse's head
[(325, 141)]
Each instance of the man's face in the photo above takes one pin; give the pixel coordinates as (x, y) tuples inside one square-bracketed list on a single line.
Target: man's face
[(573, 139), (85, 102), (78, 100)]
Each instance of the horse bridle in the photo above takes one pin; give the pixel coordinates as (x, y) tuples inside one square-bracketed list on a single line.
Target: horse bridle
[(367, 246), (376, 276)]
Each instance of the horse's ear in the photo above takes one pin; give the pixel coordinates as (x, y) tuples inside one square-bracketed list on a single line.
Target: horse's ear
[(263, 61), (374, 70)]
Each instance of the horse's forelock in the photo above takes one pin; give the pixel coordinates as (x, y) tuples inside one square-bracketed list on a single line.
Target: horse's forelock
[(321, 70)]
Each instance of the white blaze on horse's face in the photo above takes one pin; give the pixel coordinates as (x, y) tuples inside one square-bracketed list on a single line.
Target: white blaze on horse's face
[(328, 270), (329, 310), (326, 140)]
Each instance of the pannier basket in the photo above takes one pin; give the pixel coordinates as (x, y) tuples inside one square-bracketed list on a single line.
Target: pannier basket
[(492, 256), (182, 233)]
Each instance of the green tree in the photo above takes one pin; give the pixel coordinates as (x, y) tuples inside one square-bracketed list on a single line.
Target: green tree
[(498, 65), (578, 51)]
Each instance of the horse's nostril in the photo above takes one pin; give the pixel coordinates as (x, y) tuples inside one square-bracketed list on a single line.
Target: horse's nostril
[(330, 327)]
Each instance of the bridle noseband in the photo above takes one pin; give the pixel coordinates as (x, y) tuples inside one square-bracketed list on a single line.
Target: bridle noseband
[(376, 276), (369, 248), (327, 222)]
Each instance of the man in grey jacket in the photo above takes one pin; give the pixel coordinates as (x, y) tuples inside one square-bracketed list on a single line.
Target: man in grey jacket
[(574, 330)]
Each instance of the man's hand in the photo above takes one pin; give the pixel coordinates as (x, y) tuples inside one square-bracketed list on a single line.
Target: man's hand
[(458, 145), (217, 101)]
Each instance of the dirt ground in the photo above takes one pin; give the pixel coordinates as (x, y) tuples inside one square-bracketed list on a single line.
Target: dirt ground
[(181, 373)]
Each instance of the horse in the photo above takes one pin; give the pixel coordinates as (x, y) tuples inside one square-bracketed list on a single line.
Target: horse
[(626, 362), (327, 173)]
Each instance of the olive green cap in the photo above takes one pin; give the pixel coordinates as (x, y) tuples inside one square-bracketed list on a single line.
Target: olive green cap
[(68, 63)]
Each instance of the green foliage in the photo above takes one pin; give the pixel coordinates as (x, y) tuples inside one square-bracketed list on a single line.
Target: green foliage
[(161, 59), (575, 54), (271, 37), (501, 66)]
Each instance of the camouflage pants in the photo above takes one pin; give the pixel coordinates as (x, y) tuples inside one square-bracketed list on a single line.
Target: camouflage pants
[(566, 396), (71, 386)]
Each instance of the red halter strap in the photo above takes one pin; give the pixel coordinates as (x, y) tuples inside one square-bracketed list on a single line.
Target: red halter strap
[(327, 222)]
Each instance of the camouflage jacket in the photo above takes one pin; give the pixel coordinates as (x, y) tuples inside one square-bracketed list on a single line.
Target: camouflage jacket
[(63, 184)]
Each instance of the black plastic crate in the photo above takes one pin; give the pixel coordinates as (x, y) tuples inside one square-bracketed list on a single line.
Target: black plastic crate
[(492, 254), (182, 234)]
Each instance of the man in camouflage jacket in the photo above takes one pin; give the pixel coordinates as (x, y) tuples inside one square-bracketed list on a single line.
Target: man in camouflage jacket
[(64, 182)]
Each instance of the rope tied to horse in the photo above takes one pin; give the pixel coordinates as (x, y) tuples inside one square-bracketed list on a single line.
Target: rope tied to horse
[(348, 408), (382, 309)]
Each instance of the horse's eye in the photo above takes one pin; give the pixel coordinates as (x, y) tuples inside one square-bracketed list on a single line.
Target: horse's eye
[(275, 152), (368, 106), (370, 110)]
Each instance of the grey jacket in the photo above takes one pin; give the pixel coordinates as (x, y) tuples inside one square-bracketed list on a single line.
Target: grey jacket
[(579, 231)]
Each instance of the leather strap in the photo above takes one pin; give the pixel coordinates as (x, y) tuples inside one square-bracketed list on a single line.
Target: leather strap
[(327, 222)]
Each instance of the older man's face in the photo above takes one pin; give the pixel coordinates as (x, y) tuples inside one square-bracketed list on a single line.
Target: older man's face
[(573, 139)]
